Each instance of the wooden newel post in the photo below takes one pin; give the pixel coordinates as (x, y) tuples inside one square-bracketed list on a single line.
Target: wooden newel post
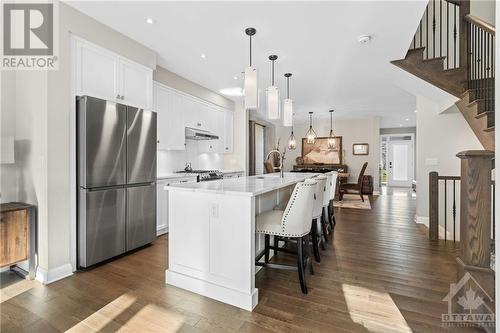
[(433, 206), (475, 232), (475, 207)]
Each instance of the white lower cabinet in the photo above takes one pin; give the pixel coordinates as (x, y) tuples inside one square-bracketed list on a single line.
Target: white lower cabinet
[(162, 201)]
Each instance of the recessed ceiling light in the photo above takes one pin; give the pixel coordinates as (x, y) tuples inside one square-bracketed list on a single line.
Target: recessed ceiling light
[(203, 55), (407, 119), (400, 125), (415, 111), (364, 39), (234, 91), (150, 20), (235, 77)]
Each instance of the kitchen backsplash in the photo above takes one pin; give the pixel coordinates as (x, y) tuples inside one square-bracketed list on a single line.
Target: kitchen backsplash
[(174, 160)]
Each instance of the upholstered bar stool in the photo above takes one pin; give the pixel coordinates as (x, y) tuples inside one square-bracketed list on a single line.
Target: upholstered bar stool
[(317, 228), (294, 223), (333, 191), (326, 222)]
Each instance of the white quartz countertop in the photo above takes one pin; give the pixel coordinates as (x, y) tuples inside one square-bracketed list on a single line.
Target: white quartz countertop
[(175, 175), (247, 186)]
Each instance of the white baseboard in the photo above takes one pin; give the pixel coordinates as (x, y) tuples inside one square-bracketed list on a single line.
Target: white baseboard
[(53, 274), (223, 294), (441, 231), (422, 220), (161, 229)]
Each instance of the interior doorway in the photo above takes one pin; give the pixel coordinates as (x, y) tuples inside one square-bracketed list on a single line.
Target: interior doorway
[(259, 149), (397, 160)]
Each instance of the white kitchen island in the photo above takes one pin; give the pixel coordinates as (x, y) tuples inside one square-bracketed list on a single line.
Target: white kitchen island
[(212, 242)]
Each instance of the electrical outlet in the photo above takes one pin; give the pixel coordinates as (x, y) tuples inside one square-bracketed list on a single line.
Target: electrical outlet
[(214, 211)]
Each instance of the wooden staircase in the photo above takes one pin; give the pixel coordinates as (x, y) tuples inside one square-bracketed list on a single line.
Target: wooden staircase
[(466, 72)]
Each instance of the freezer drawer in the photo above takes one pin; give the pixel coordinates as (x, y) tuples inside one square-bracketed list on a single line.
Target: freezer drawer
[(101, 225), (141, 215), (141, 146)]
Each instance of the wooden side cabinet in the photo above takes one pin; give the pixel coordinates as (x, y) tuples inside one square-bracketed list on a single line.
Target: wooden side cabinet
[(17, 236)]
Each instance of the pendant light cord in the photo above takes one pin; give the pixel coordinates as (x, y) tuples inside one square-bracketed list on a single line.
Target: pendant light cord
[(272, 76), (250, 51), (288, 87)]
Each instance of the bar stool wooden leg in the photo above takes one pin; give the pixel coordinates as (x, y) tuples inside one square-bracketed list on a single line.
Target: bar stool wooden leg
[(275, 245), (315, 240), (307, 259), (300, 265), (266, 248)]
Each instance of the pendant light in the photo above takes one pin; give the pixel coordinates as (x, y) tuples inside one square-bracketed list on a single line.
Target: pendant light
[(287, 104), (292, 143), (331, 137), (311, 134), (251, 89), (273, 95)]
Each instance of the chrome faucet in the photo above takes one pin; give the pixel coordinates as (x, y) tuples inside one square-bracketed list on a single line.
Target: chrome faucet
[(282, 157)]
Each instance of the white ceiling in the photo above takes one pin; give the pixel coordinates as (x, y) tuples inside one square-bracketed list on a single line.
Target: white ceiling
[(316, 41)]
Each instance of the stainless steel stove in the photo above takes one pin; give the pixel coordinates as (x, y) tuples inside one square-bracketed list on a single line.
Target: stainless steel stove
[(205, 175)]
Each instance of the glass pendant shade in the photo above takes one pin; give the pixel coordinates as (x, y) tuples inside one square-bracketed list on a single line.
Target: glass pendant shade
[(311, 134), (251, 89), (288, 104), (287, 112), (292, 143), (273, 103), (331, 138), (331, 141)]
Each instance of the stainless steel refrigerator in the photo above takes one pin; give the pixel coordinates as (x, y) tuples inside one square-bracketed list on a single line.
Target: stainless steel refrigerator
[(116, 151)]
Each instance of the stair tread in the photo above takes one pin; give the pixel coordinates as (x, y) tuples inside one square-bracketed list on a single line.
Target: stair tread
[(434, 59), (484, 113), (490, 129)]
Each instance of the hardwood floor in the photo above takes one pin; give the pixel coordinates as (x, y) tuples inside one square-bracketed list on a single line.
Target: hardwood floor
[(379, 274)]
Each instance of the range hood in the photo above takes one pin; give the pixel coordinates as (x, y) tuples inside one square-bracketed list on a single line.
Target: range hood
[(197, 134)]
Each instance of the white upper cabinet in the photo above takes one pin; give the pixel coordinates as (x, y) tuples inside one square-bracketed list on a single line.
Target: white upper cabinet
[(104, 74), (170, 119), (97, 71), (228, 131), (135, 84), (177, 110)]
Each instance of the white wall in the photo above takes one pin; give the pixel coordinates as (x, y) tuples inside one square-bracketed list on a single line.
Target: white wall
[(364, 130), (25, 119), (483, 9), (439, 138)]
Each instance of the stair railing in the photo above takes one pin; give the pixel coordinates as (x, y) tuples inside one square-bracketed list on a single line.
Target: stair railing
[(481, 62), (445, 205), (439, 31)]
